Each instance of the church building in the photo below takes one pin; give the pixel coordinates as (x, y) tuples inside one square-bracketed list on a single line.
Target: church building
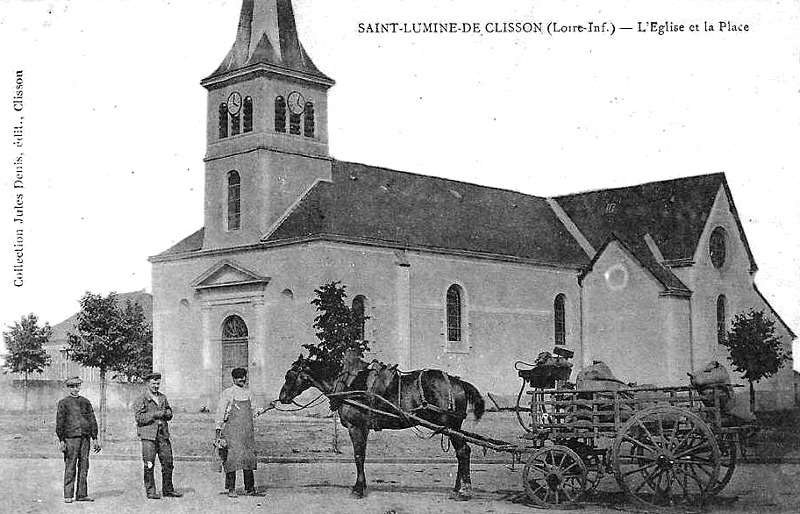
[(452, 275)]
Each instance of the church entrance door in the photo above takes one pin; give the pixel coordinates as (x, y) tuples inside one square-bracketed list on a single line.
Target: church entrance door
[(234, 347)]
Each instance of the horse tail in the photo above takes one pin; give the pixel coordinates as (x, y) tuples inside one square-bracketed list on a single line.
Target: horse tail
[(474, 397)]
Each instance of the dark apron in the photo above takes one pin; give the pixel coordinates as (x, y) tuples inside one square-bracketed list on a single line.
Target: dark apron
[(238, 432)]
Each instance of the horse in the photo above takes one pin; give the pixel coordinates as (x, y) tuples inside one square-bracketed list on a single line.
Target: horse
[(431, 395)]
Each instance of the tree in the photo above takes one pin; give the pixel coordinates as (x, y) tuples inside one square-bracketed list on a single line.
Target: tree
[(337, 325), (110, 339), (754, 350), (24, 342), (139, 339)]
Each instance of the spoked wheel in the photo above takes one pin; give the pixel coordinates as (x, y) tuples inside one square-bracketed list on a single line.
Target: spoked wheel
[(666, 455), (593, 462), (728, 449), (554, 477)]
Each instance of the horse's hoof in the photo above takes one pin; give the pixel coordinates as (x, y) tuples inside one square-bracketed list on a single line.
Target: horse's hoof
[(459, 496), (357, 494)]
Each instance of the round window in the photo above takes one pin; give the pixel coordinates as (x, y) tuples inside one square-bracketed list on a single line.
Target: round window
[(616, 277), (716, 247)]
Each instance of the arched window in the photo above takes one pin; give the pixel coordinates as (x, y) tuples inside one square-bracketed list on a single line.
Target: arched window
[(234, 346), (280, 114), (560, 316), (454, 313), (717, 247), (358, 313), (223, 120), (722, 323), (308, 121), (234, 201), (247, 115)]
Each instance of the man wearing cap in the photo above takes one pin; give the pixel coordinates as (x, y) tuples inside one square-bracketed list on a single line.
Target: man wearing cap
[(152, 413), (76, 428)]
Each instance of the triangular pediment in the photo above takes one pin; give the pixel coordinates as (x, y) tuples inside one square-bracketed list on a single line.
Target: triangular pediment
[(228, 274)]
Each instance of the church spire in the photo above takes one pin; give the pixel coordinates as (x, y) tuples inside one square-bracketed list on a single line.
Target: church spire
[(267, 35)]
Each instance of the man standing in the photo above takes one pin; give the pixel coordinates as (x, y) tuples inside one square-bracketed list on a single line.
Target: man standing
[(75, 427), (152, 413), (235, 428)]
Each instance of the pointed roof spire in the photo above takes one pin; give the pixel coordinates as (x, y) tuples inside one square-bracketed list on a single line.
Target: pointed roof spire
[(268, 35)]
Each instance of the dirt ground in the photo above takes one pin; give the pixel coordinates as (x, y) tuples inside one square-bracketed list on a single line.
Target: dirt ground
[(34, 486), (407, 472)]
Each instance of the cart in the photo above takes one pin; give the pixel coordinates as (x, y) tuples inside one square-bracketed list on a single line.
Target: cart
[(664, 445)]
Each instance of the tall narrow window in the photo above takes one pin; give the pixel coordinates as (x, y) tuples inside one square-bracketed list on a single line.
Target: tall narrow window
[(223, 120), (294, 123), (247, 115), (722, 324), (280, 114), (560, 316), (454, 314), (308, 120), (234, 201), (358, 314)]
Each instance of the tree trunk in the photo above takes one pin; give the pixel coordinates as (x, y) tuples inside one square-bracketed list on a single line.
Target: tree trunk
[(752, 398), (103, 408), (25, 389)]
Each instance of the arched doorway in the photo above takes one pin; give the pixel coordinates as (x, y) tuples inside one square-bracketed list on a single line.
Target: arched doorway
[(234, 347)]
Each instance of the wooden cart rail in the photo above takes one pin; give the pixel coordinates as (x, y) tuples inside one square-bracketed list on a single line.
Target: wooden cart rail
[(594, 413)]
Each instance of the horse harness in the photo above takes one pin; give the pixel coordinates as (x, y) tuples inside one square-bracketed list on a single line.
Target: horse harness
[(379, 378)]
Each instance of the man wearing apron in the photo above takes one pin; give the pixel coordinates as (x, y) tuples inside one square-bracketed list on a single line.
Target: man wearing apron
[(235, 429)]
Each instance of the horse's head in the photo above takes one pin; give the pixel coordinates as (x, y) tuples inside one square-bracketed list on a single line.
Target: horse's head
[(298, 379)]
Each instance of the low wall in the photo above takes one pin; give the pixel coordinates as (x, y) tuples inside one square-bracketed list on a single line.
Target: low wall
[(43, 395)]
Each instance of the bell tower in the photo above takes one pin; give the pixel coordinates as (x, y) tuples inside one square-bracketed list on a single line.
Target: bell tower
[(267, 127)]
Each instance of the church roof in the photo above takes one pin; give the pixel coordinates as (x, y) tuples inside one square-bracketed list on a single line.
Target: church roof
[(267, 34), (673, 212), (373, 205), (642, 253), (368, 203)]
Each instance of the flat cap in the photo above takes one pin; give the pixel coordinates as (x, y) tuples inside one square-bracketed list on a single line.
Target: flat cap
[(73, 381), (151, 376)]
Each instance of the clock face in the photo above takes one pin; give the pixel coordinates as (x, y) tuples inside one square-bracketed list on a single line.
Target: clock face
[(234, 103), (296, 102)]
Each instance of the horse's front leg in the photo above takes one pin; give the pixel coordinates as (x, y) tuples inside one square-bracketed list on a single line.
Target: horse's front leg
[(462, 490), (358, 435)]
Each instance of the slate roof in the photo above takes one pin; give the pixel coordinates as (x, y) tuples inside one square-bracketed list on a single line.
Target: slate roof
[(268, 35), (673, 212), (642, 253), (191, 243), (372, 204)]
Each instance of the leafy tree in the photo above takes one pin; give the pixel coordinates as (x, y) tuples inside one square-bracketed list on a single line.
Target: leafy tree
[(337, 325), (24, 341), (139, 339), (110, 338), (754, 350)]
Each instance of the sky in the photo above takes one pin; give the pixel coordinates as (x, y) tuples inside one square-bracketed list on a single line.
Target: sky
[(114, 117)]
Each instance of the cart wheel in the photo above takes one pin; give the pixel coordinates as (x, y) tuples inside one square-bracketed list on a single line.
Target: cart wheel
[(727, 465), (593, 462), (666, 455), (554, 477)]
